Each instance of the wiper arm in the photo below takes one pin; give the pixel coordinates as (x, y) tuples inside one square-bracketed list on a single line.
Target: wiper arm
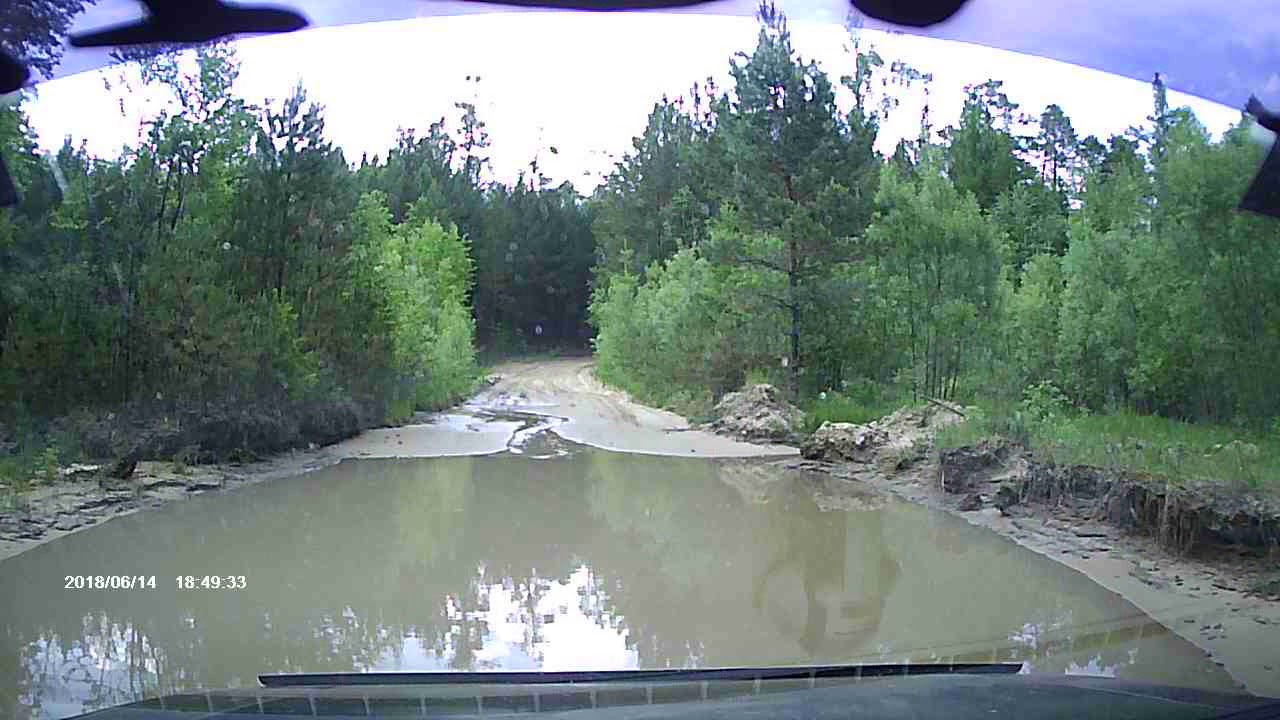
[(799, 672)]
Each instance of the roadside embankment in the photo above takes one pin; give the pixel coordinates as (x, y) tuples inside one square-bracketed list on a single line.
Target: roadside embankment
[(1203, 559)]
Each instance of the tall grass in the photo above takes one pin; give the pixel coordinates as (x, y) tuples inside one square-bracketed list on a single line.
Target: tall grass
[(1144, 444), (21, 471), (693, 405), (1176, 450), (862, 405)]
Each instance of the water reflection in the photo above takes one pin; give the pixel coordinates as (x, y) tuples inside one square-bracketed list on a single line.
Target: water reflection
[(590, 560), (822, 586)]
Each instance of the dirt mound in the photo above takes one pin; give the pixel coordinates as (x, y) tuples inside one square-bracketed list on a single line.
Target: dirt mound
[(899, 438), (961, 469), (840, 442), (910, 423), (757, 413)]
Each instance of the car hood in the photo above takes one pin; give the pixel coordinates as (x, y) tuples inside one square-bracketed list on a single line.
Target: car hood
[(953, 696)]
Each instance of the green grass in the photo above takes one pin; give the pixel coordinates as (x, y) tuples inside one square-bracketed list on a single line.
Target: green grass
[(836, 407), (985, 422), (969, 432), (1159, 446), (1171, 449), (693, 404), (23, 471)]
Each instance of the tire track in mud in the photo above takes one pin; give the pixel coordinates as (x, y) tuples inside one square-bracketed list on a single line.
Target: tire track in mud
[(578, 408)]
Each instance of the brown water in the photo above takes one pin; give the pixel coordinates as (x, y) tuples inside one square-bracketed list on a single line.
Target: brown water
[(581, 560)]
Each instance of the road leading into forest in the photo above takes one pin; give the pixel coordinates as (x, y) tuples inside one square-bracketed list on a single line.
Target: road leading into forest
[(562, 395)]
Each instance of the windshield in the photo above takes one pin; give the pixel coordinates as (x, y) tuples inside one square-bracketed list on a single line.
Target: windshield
[(560, 341)]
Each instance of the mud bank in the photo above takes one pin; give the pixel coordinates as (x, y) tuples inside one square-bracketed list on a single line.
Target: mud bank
[(82, 500), (145, 456), (1201, 562), (215, 433), (1185, 518)]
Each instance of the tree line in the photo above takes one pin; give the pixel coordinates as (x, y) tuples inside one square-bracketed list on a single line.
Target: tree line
[(234, 257), (754, 233)]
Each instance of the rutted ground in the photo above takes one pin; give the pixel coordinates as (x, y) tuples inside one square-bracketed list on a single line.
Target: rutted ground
[(562, 395), (583, 410), (521, 400)]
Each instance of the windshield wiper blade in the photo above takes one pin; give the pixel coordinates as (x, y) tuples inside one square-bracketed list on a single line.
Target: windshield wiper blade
[(799, 672)]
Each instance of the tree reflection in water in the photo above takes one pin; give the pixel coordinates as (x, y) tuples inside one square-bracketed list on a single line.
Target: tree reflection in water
[(824, 586)]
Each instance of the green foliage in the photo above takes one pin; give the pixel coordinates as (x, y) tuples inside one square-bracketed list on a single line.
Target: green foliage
[(36, 31), (35, 461), (990, 420), (1033, 321), (1034, 220), (1097, 342), (769, 195), (672, 340), (227, 259), (412, 281), (1043, 402), (1143, 444), (939, 256), (1163, 447), (982, 154), (1056, 279), (534, 277), (654, 203), (1058, 148), (856, 407), (46, 466)]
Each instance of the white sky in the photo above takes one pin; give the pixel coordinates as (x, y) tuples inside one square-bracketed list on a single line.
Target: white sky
[(581, 82)]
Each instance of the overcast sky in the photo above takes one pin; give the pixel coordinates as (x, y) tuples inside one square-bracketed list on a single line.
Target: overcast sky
[(583, 83)]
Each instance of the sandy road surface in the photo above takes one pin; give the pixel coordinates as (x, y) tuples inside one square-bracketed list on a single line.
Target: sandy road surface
[(561, 395)]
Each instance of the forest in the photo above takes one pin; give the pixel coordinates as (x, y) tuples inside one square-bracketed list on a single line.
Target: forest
[(1078, 290), (234, 264), (235, 267)]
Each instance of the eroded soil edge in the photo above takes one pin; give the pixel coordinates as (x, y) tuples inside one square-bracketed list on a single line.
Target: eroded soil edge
[(1201, 560)]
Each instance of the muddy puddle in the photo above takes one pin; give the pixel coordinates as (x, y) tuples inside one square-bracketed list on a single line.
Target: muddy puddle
[(552, 556)]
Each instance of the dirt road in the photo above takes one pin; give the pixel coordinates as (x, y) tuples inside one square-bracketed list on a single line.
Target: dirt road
[(561, 395)]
